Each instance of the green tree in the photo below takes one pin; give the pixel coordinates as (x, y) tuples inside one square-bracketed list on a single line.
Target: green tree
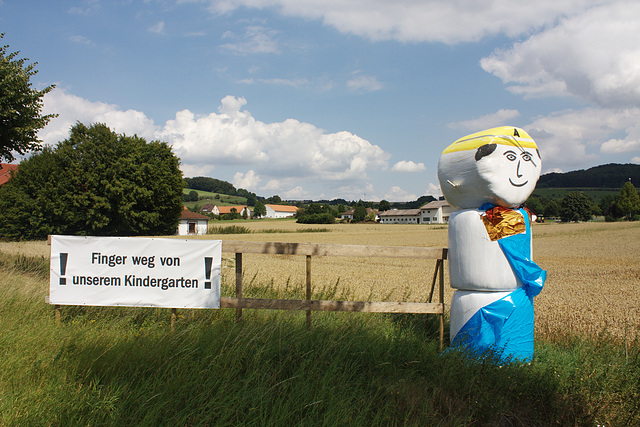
[(607, 204), (535, 205), (192, 196), (317, 218), (259, 210), (275, 200), (94, 183), (314, 208), (628, 202), (360, 213), (384, 205), (20, 106), (552, 209), (576, 206)]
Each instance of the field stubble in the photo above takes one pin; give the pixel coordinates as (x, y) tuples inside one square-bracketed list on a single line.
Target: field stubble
[(592, 284)]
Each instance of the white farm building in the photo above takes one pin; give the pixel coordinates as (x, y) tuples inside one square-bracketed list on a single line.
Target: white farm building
[(280, 211), (435, 212)]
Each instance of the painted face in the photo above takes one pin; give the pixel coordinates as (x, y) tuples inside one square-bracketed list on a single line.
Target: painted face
[(499, 165), (510, 172)]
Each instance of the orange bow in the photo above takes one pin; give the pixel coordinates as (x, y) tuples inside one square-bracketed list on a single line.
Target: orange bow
[(503, 222)]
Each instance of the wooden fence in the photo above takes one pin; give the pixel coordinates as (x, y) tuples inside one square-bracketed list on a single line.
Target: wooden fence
[(310, 250)]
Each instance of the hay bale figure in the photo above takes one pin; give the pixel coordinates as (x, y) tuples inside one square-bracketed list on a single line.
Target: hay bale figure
[(487, 177)]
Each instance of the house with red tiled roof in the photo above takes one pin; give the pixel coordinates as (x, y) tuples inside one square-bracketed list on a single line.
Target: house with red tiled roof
[(221, 210), (228, 209), (192, 223), (6, 169), (280, 211)]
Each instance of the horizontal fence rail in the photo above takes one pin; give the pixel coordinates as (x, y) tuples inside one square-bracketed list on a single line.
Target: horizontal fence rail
[(310, 250)]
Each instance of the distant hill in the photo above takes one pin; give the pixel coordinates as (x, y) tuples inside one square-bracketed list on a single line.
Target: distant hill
[(612, 176)]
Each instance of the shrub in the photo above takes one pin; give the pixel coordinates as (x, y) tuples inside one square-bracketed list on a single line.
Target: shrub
[(321, 218)]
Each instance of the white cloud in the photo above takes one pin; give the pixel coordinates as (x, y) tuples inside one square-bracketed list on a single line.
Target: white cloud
[(72, 109), (256, 39), (248, 181), (434, 190), (621, 146), (447, 21), (574, 138), (593, 55), (273, 151), (157, 28), (499, 118), (364, 83), (635, 159), (297, 193), (289, 156), (397, 194), (408, 166), (82, 40), (277, 82)]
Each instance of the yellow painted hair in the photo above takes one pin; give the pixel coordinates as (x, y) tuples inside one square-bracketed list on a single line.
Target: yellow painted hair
[(505, 135)]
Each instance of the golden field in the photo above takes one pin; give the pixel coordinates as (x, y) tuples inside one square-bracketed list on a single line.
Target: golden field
[(592, 284)]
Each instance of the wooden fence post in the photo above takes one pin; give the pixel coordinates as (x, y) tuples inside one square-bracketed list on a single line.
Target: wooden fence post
[(308, 289), (238, 283), (441, 301)]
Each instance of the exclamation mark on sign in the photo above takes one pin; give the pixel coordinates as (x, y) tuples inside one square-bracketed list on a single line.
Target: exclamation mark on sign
[(207, 272), (63, 268)]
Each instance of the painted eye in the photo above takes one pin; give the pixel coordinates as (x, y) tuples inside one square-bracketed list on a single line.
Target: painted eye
[(526, 157), (511, 156)]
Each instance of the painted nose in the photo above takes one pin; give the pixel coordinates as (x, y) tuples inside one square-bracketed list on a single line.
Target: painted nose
[(518, 174)]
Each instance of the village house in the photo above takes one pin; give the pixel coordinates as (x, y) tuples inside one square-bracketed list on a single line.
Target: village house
[(400, 216), (221, 210), (435, 212), (5, 172), (349, 214), (280, 211), (192, 223)]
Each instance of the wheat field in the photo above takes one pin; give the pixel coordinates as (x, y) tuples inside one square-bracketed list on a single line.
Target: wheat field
[(592, 283)]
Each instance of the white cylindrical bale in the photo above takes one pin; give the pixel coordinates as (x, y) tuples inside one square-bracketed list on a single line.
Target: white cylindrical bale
[(475, 262)]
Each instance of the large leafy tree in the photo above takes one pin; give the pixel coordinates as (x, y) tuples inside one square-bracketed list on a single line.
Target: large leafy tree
[(94, 183), (259, 210), (576, 206), (628, 202), (20, 106)]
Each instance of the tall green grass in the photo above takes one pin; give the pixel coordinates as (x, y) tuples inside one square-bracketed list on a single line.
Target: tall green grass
[(123, 366)]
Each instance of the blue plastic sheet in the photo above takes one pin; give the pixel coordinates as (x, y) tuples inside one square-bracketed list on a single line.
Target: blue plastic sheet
[(506, 326), (517, 249)]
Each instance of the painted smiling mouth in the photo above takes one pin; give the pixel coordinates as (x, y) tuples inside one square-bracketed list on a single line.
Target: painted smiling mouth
[(518, 185)]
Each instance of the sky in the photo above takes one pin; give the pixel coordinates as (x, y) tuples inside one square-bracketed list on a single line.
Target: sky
[(326, 99)]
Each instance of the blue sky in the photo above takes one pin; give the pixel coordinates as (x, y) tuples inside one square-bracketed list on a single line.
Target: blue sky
[(311, 99)]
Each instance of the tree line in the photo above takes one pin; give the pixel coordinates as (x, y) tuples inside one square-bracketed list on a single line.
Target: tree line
[(604, 176), (577, 206)]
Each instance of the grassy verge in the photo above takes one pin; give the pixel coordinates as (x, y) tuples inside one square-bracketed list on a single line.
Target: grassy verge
[(122, 366)]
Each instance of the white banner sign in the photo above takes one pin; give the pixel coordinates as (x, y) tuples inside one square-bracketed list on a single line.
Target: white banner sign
[(135, 272)]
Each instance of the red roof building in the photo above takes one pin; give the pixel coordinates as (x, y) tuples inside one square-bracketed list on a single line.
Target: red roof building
[(6, 169)]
